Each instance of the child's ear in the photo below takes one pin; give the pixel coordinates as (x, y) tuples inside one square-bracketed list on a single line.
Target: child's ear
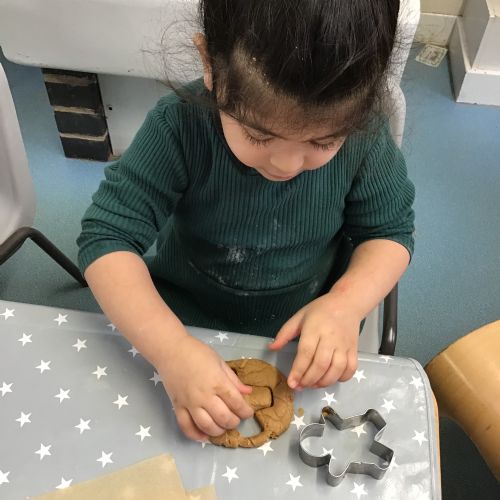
[(201, 44)]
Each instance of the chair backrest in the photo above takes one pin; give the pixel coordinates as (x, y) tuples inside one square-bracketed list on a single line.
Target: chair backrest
[(122, 37), (408, 19), (394, 106), (17, 196)]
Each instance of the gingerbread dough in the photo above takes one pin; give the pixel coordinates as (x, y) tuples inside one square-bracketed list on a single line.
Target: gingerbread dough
[(271, 399), (156, 478)]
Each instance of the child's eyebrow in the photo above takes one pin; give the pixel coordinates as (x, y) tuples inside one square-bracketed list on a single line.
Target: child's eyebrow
[(264, 131)]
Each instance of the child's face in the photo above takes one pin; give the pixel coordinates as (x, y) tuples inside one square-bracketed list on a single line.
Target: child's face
[(280, 154)]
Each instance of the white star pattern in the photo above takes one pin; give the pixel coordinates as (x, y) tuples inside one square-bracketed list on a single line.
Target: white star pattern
[(61, 318), (4, 477), (74, 371), (9, 313), (24, 419), (133, 351), (230, 474), (392, 465), (416, 382), (63, 394), (65, 483), (6, 388), (105, 459), (359, 429), (100, 372), (294, 481), (44, 450), (359, 490), (143, 432), (43, 366), (25, 339), (388, 405), (329, 398), (155, 378), (328, 452), (121, 401), (298, 421), (222, 336), (80, 344), (420, 437), (265, 447), (359, 375), (83, 425)]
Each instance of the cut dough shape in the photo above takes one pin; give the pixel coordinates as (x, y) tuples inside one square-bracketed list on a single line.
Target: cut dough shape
[(207, 493), (155, 479), (273, 419)]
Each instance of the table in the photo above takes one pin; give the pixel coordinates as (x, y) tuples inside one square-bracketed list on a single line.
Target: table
[(78, 401)]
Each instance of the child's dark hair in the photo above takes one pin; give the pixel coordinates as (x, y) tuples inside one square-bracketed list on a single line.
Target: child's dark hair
[(314, 57)]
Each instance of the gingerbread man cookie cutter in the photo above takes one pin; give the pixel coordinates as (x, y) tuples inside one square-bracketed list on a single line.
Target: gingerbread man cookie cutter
[(377, 448)]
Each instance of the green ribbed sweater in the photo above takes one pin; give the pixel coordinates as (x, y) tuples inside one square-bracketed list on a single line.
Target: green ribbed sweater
[(235, 251)]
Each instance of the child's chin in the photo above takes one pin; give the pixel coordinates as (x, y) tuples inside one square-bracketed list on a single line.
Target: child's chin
[(274, 178)]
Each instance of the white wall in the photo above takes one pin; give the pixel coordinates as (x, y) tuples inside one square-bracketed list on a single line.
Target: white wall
[(450, 7), (437, 20)]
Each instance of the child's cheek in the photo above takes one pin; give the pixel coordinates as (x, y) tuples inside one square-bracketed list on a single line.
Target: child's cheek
[(249, 154)]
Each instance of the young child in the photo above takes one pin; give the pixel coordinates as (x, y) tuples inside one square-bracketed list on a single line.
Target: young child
[(247, 180)]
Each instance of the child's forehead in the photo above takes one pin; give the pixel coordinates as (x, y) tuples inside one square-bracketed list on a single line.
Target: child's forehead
[(285, 117), (290, 127), (254, 101)]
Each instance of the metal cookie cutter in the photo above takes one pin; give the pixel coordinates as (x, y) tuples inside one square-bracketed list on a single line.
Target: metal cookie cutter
[(377, 448)]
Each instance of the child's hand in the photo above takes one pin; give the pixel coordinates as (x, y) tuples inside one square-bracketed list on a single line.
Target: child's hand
[(328, 344), (205, 392)]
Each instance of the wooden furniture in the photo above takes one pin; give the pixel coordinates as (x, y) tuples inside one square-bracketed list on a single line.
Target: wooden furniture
[(465, 379)]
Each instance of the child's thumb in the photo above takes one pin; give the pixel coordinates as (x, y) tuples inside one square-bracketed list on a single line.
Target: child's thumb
[(244, 389), (288, 331)]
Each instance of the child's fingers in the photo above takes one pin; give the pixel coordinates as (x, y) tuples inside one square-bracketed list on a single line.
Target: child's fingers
[(288, 331), (352, 365), (233, 399), (187, 425), (244, 389), (321, 363), (221, 414), (305, 355), (205, 422), (338, 366)]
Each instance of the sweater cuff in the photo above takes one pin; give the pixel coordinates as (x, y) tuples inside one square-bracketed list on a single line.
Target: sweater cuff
[(405, 240), (88, 255)]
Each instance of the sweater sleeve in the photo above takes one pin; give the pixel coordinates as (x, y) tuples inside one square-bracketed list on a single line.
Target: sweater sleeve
[(379, 204), (138, 194)]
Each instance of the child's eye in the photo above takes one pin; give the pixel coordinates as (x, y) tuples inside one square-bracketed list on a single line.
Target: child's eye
[(256, 142), (324, 147)]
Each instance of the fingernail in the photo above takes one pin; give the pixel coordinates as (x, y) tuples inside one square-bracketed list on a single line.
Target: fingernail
[(292, 384)]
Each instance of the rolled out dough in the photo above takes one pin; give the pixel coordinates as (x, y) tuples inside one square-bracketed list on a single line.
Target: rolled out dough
[(153, 479)]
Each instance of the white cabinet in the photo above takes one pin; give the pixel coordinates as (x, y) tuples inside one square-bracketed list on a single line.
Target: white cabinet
[(475, 53)]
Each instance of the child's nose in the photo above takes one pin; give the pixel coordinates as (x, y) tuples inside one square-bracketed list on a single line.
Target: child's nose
[(287, 162)]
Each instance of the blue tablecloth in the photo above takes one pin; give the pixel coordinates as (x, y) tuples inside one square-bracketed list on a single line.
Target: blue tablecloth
[(78, 401)]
